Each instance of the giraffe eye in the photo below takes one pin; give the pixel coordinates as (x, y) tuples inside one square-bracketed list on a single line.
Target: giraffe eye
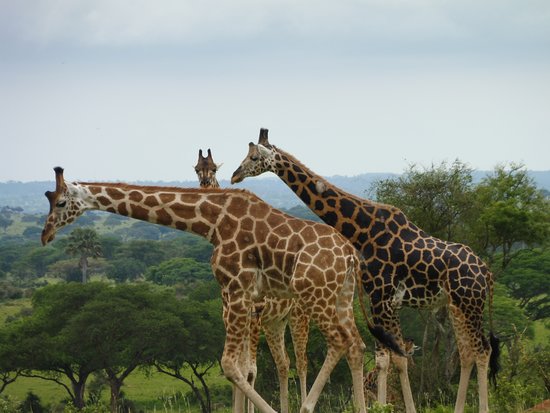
[(254, 158), (61, 204)]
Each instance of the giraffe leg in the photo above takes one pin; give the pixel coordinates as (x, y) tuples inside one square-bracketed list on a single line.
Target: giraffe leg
[(401, 364), (333, 356), (239, 399), (343, 338), (472, 347), (237, 324), (355, 357), (253, 347), (299, 329), (466, 365), (382, 367), (275, 336), (482, 364)]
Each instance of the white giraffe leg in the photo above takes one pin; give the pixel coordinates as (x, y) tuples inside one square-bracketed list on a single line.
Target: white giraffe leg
[(482, 364), (382, 367), (355, 362), (401, 364), (275, 336)]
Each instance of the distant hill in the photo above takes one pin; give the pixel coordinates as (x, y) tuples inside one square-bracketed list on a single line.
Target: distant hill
[(30, 195)]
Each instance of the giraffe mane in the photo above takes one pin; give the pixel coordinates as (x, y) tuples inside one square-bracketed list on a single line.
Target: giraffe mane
[(328, 185), (151, 188)]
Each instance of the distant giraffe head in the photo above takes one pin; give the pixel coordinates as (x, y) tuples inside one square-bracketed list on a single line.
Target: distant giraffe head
[(65, 207), (260, 158), (206, 170)]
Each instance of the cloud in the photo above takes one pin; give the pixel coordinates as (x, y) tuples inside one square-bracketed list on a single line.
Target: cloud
[(369, 23)]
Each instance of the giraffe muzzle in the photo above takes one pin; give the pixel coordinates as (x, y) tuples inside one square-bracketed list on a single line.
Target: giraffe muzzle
[(237, 176)]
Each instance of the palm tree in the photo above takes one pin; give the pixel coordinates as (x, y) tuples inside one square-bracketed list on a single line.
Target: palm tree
[(83, 242)]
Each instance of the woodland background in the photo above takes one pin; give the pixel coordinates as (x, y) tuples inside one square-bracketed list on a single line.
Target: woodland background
[(122, 315)]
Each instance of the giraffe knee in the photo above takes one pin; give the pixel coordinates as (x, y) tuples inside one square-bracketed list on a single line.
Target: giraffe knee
[(230, 369), (382, 362), (400, 363), (283, 367)]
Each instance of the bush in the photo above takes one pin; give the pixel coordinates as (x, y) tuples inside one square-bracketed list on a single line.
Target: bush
[(91, 408), (9, 405), (514, 397), (32, 404)]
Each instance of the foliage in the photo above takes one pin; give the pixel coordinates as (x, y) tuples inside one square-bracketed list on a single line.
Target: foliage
[(32, 404), (84, 243), (523, 381), (190, 360), (8, 405), (381, 408), (179, 270), (513, 210), (125, 269), (90, 408), (438, 199), (76, 330), (528, 279)]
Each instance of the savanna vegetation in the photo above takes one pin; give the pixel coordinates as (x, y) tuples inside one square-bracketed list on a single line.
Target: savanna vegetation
[(120, 315)]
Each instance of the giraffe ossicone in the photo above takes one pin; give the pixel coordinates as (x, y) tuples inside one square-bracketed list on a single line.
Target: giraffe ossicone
[(257, 250), (398, 258)]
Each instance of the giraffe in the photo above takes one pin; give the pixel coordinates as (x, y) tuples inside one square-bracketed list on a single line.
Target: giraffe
[(206, 170), (370, 378), (269, 314), (401, 265), (258, 251)]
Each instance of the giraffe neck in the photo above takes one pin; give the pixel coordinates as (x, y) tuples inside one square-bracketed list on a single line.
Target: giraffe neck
[(327, 201), (193, 210), (214, 183)]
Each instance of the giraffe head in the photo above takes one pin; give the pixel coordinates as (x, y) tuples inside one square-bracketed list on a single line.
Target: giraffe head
[(260, 159), (65, 206), (206, 170)]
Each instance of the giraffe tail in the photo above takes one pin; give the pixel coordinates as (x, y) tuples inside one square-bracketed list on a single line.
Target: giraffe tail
[(385, 338), (494, 341)]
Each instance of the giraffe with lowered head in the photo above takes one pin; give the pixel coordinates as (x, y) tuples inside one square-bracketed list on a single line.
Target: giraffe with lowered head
[(258, 251), (402, 265), (270, 314)]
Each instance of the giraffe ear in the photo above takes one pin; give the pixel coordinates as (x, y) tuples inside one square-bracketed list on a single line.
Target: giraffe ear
[(263, 150), (219, 165)]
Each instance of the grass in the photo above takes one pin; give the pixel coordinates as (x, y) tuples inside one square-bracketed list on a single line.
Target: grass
[(149, 392), (13, 307), (542, 332)]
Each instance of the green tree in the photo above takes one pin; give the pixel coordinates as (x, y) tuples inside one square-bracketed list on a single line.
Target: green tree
[(8, 369), (191, 359), (148, 252), (179, 270), (76, 330), (514, 213), (5, 220), (84, 243), (124, 269), (438, 199), (128, 325), (189, 246), (528, 279), (46, 349)]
